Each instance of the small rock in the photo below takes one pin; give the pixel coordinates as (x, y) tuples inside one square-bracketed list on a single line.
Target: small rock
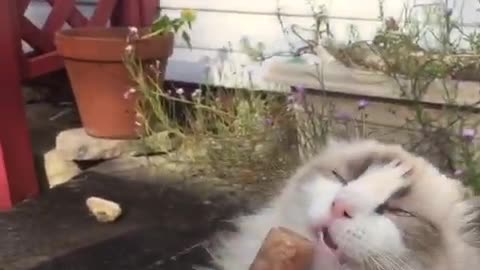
[(59, 170), (103, 210), (76, 144)]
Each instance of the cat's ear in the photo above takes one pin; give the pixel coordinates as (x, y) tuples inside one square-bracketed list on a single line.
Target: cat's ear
[(470, 221)]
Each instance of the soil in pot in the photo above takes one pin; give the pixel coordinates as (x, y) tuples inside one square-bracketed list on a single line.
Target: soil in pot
[(94, 62)]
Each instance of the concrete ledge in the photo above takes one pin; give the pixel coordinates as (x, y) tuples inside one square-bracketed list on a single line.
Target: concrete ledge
[(340, 79)]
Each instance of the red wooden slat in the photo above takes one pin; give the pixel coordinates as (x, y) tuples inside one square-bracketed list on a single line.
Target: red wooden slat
[(61, 11), (76, 18), (36, 38), (39, 65), (103, 13), (5, 198), (127, 13), (22, 6), (149, 11), (17, 172)]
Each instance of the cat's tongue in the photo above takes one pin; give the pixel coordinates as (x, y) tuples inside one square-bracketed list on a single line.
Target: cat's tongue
[(325, 258)]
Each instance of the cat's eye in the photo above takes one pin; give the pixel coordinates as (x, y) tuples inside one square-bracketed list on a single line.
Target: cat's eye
[(383, 208), (399, 212), (339, 177)]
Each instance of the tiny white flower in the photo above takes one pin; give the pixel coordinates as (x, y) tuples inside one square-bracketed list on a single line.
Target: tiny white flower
[(129, 48), (180, 91), (196, 93), (133, 30), (138, 124), (129, 92), (132, 34)]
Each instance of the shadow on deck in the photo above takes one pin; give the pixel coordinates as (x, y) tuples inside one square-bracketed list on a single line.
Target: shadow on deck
[(160, 220)]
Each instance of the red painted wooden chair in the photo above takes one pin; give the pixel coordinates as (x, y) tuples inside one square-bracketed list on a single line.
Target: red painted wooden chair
[(18, 180)]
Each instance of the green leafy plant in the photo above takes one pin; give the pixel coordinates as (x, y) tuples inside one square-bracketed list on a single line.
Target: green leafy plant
[(231, 132), (400, 50), (164, 24)]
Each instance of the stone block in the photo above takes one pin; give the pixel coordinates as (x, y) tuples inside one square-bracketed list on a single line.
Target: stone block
[(59, 170), (76, 144)]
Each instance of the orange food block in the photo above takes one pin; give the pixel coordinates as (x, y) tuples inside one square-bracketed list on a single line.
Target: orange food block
[(284, 249)]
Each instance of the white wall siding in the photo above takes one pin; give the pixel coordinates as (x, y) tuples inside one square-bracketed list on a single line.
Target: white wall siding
[(223, 24)]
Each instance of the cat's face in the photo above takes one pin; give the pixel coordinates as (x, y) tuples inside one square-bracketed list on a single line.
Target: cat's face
[(379, 210)]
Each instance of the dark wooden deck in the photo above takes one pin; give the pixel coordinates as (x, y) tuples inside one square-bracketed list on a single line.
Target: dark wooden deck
[(56, 232)]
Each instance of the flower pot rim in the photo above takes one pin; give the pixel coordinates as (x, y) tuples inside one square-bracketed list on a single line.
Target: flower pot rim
[(106, 34), (108, 44)]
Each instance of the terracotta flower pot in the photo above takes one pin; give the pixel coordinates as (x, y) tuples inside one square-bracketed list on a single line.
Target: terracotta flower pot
[(94, 62)]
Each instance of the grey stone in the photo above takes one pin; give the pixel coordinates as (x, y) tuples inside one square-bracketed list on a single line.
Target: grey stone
[(76, 144)]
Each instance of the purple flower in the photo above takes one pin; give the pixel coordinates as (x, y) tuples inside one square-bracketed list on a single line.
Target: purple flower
[(298, 96), (300, 89), (458, 172), (291, 98), (469, 133), (362, 104), (268, 122), (344, 116)]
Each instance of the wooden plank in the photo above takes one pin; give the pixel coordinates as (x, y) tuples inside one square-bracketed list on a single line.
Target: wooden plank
[(17, 172), (76, 18), (36, 38), (149, 10), (5, 198), (22, 6), (61, 11), (102, 13), (40, 65), (127, 13)]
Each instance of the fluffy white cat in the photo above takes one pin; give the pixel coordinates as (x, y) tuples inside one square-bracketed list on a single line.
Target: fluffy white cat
[(368, 206)]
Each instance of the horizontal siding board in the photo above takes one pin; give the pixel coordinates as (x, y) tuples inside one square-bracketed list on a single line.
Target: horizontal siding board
[(466, 11), (223, 24), (366, 9), (228, 30)]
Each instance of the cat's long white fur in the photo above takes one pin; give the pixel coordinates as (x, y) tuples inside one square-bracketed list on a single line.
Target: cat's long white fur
[(308, 195)]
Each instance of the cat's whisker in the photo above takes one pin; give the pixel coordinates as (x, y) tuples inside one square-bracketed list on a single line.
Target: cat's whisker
[(396, 262), (373, 261)]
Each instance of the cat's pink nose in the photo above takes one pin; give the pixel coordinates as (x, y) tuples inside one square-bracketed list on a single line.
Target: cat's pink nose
[(340, 209)]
